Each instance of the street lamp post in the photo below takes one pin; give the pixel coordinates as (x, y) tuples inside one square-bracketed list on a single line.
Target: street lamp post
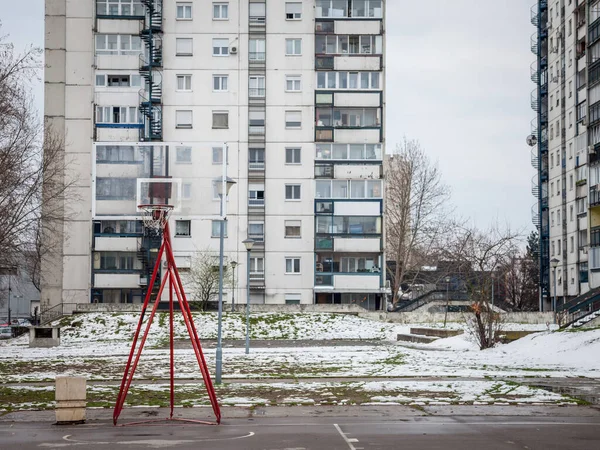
[(554, 264), (249, 243), (447, 300), (233, 266), (224, 184)]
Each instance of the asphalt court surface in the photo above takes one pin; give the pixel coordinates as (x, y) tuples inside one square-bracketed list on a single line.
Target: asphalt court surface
[(327, 433)]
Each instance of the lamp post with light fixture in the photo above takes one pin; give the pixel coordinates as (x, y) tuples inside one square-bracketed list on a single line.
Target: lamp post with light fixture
[(249, 243), (223, 185), (554, 264)]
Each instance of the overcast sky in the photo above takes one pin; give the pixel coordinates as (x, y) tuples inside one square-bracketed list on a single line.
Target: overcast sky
[(457, 80)]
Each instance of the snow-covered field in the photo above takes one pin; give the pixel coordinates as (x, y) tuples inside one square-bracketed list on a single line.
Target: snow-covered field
[(96, 346)]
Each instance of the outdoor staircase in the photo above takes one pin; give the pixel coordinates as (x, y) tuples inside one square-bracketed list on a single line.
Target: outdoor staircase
[(427, 335), (150, 66), (580, 310)]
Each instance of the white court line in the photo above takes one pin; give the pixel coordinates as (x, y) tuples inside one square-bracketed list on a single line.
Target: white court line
[(349, 441)]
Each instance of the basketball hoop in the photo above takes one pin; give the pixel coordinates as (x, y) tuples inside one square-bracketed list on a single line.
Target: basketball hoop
[(155, 216)]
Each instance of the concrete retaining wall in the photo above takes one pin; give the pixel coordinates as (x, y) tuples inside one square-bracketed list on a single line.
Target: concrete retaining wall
[(413, 317)]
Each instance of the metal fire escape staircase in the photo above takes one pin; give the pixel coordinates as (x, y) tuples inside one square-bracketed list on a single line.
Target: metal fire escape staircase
[(150, 68)]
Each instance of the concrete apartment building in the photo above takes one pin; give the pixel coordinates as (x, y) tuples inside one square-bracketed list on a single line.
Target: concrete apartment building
[(567, 144), (294, 90)]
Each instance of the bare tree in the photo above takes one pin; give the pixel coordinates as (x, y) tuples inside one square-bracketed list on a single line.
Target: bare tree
[(479, 256), (520, 277), (204, 277), (32, 163), (416, 212)]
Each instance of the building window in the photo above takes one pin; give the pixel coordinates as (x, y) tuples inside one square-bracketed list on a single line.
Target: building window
[(293, 299), (256, 86), (334, 44), (293, 10), (119, 8), (119, 81), (257, 265), (292, 192), (183, 118), (182, 228), (216, 228), (183, 46), (115, 188), (572, 244), (256, 195), (118, 44), (256, 49), (348, 151), (186, 191), (293, 47), (125, 115), (184, 11), (217, 155), (292, 156), (220, 119), (220, 11), (220, 47), (348, 189), (256, 158), (220, 83), (256, 122), (256, 231), (348, 117), (348, 80), (293, 119), (292, 265), (183, 155), (257, 12), (184, 82), (293, 83), (293, 228)]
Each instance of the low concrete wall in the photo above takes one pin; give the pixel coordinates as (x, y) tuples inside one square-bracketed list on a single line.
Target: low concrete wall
[(413, 317), (108, 307)]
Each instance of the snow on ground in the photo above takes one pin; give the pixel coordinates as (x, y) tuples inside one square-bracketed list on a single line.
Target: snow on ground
[(97, 345)]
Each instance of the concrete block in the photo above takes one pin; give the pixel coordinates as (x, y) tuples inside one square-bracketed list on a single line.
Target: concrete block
[(70, 400), (44, 336)]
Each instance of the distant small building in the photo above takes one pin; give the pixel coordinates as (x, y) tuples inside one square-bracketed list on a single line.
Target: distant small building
[(17, 293)]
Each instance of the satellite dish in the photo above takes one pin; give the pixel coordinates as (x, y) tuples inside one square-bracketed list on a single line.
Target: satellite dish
[(531, 140)]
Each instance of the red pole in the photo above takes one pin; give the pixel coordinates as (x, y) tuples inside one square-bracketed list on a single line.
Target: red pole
[(129, 376), (137, 333), (189, 322), (171, 341)]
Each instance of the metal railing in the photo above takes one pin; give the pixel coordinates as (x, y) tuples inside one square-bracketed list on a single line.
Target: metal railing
[(257, 92), (257, 56)]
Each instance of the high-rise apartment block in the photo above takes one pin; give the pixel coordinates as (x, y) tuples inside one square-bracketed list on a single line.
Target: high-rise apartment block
[(566, 146), (291, 91)]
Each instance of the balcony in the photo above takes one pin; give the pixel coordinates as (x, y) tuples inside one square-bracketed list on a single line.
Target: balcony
[(324, 171), (256, 202), (369, 282), (594, 196), (256, 130)]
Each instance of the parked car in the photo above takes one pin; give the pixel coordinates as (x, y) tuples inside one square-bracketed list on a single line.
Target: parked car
[(5, 333), (21, 323)]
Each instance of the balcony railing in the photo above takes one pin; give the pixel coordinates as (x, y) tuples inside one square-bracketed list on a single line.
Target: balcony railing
[(257, 237), (257, 92), (256, 56), (256, 202), (256, 129), (260, 165), (257, 275)]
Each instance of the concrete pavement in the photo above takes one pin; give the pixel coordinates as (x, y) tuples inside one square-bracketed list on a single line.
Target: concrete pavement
[(337, 428)]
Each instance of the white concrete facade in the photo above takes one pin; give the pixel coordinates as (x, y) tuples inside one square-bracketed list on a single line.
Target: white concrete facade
[(256, 62)]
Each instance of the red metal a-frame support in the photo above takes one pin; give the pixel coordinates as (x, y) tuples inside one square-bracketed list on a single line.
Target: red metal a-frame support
[(172, 277)]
